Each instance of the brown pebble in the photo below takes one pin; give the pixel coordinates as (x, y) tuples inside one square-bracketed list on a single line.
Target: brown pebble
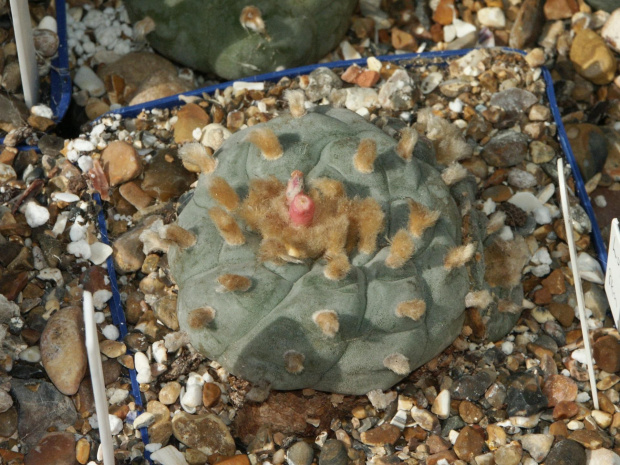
[(189, 117), (82, 451), (210, 394), (565, 409), (470, 412), (53, 448), (564, 313), (559, 429), (606, 351), (587, 438), (381, 435), (120, 162), (469, 443)]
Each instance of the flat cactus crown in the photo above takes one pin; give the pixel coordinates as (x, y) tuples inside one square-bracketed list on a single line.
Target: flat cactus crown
[(367, 286)]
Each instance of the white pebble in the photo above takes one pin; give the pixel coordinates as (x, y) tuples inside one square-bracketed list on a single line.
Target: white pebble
[(49, 23), (61, 224), (116, 424), (31, 354), (143, 367), (86, 79), (80, 249), (160, 354), (111, 332), (506, 233), (169, 455), (192, 397), (99, 317), (66, 197), (542, 215), (590, 269), (82, 145), (116, 396), (526, 201), (456, 105), (541, 257), (492, 17), (348, 52), (36, 215), (99, 252), (85, 162), (575, 425), (546, 193), (43, 111), (583, 397), (144, 420), (508, 347), (51, 274), (463, 28), (579, 355), (600, 201)]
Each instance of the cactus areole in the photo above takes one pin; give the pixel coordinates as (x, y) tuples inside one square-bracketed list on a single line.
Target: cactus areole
[(325, 266)]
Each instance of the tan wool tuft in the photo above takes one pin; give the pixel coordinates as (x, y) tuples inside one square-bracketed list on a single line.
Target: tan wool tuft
[(496, 222), (459, 255), (225, 195), (414, 309), (327, 321), (330, 188), (364, 159), (267, 142), (507, 306), (408, 139), (294, 362), (420, 218), (337, 267), (401, 249), (453, 173), (197, 158), (227, 226), (200, 317), (180, 236), (234, 282), (296, 102), (398, 363), (479, 299), (369, 218)]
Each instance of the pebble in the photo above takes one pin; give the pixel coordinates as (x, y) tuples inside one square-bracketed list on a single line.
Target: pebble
[(120, 162), (470, 412), (505, 149), (606, 353), (143, 367), (205, 432), (513, 100), (300, 453), (560, 9), (189, 117), (165, 177), (86, 79), (31, 395), (589, 146), (441, 404), (492, 17), (169, 393), (210, 394), (381, 435), (559, 388), (424, 418), (333, 452), (611, 31), (527, 25), (54, 448), (567, 452), (63, 353), (169, 455), (468, 444), (601, 457), (144, 420), (592, 58), (510, 454), (36, 215), (538, 445)]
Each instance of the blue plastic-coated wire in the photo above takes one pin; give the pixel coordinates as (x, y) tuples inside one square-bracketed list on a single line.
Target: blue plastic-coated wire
[(59, 73), (597, 237), (118, 315)]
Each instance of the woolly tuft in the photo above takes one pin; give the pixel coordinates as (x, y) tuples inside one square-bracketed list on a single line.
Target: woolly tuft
[(294, 362), (364, 159), (200, 317), (267, 142), (401, 249), (414, 309), (225, 195), (327, 321), (420, 218), (408, 139), (398, 363), (234, 282), (459, 255), (227, 226)]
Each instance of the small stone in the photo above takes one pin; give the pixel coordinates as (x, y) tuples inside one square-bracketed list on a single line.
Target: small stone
[(424, 418), (592, 58), (161, 430), (560, 388), (8, 422), (603, 419), (169, 393), (513, 100), (539, 112), (560, 9), (238, 459), (558, 429), (401, 40), (564, 313), (509, 454), (588, 439), (471, 387), (611, 31), (537, 445), (189, 117), (527, 25), (30, 395), (441, 458), (333, 452), (165, 310), (120, 162), (205, 432), (492, 17), (165, 177), (496, 437), (169, 455), (567, 452), (565, 410), (63, 352), (606, 352), (53, 449), (444, 13), (505, 149), (127, 248), (524, 397), (381, 435), (210, 394), (144, 420), (82, 451), (536, 58), (86, 79), (441, 404), (470, 412), (133, 193), (600, 457), (300, 453), (468, 444)]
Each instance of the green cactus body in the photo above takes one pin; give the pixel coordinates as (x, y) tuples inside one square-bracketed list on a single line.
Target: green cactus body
[(213, 36), (294, 327)]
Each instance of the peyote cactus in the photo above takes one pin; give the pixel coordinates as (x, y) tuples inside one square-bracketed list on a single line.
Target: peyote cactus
[(329, 256), (237, 38)]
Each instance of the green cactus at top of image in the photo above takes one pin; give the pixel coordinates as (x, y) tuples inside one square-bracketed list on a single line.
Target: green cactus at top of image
[(238, 38), (328, 255)]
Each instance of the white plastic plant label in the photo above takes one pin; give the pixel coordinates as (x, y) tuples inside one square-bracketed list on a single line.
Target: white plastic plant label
[(612, 276)]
